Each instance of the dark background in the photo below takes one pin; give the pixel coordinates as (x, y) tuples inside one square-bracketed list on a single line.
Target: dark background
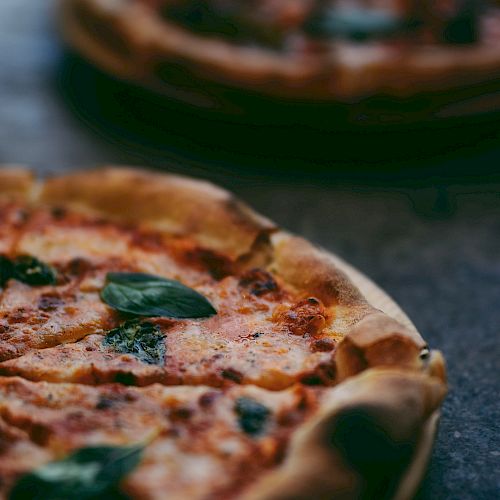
[(416, 208)]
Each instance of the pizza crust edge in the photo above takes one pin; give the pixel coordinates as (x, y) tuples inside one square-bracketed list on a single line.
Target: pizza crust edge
[(387, 376), (144, 41)]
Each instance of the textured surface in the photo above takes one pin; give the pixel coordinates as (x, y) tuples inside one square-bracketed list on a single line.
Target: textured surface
[(430, 237)]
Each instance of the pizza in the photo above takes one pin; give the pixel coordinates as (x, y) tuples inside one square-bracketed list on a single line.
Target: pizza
[(313, 50), (159, 339)]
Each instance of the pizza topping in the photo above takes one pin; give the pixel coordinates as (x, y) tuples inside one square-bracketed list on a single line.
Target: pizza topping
[(253, 416), (50, 302), (92, 472), (149, 295), (306, 317), (6, 270), (27, 269), (258, 282), (142, 339)]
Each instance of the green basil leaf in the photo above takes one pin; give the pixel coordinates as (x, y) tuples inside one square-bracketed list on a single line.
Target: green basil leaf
[(253, 416), (32, 271), (354, 23), (88, 473), (142, 339), (6, 270), (27, 269), (148, 295)]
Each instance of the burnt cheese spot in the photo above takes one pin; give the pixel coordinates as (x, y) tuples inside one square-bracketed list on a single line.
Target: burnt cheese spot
[(50, 302), (323, 345), (58, 213), (258, 282), (233, 375), (207, 400), (252, 415)]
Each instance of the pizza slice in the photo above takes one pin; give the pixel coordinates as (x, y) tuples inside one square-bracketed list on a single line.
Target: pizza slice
[(198, 441)]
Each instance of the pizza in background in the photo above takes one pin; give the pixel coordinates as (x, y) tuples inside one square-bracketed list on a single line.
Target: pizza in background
[(333, 50)]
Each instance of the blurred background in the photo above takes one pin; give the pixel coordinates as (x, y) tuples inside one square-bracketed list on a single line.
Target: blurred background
[(409, 196)]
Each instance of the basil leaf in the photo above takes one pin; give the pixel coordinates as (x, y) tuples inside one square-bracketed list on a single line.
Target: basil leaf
[(88, 473), (32, 271), (6, 270), (253, 416), (27, 269), (354, 23), (142, 339), (148, 295)]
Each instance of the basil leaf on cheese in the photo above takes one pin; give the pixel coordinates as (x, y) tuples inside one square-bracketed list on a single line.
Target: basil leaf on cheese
[(89, 473), (142, 339), (32, 271), (148, 295), (6, 270), (252, 415), (27, 269)]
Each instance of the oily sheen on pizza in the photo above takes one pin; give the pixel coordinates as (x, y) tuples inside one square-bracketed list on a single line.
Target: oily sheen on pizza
[(303, 49), (158, 339)]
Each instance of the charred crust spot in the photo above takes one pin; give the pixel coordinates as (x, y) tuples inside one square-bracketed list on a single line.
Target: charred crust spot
[(258, 282), (323, 345), (323, 374), (217, 265), (233, 375)]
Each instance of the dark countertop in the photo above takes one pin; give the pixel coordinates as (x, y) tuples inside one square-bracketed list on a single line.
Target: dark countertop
[(426, 228)]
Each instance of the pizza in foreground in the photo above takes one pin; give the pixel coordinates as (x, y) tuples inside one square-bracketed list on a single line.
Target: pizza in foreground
[(306, 49), (159, 339)]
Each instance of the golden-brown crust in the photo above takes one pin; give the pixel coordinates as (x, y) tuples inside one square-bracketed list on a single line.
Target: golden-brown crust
[(311, 271), (15, 182), (401, 384), (137, 41), (170, 203)]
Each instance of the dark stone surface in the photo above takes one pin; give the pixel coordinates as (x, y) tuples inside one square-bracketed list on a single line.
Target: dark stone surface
[(426, 228)]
